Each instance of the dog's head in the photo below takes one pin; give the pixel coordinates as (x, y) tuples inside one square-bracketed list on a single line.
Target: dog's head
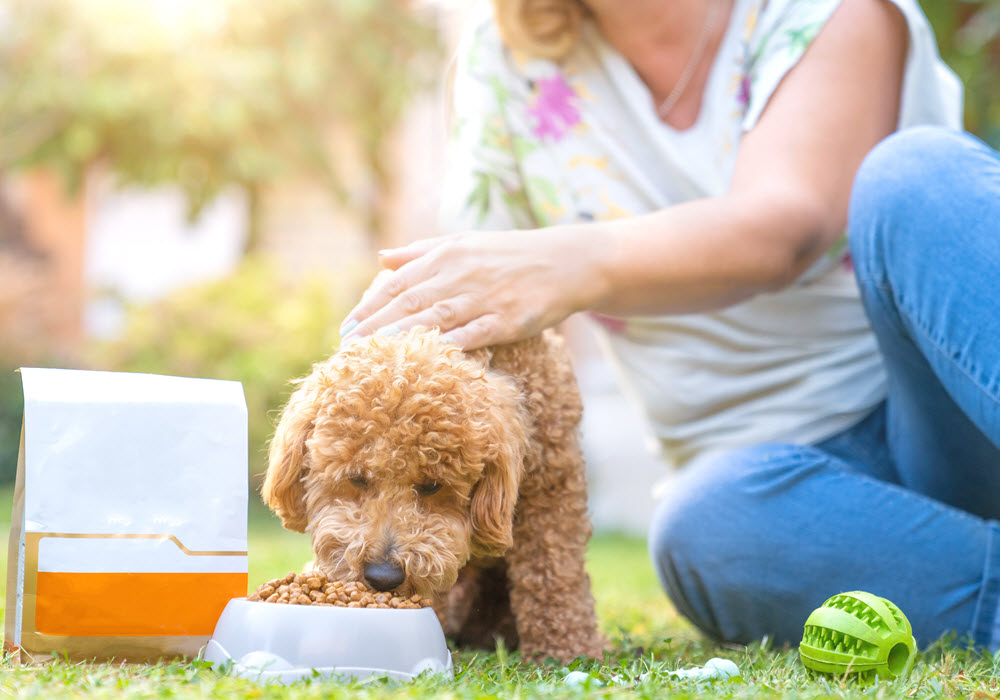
[(401, 456)]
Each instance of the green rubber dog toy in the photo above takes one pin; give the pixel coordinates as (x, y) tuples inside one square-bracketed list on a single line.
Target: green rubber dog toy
[(860, 634)]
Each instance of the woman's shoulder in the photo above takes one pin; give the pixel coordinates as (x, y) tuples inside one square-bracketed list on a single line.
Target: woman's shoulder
[(796, 20), (779, 32)]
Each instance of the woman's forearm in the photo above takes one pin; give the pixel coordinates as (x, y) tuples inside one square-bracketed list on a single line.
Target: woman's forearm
[(705, 254), (489, 287)]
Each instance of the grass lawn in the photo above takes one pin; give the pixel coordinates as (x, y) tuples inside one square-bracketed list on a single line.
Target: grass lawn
[(649, 639)]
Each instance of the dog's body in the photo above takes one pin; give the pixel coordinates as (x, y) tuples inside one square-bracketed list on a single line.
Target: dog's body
[(404, 458)]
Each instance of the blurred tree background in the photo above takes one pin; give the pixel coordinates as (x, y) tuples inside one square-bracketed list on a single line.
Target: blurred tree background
[(967, 34), (207, 95)]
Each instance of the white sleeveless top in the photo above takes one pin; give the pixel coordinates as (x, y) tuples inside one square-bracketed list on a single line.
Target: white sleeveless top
[(537, 143)]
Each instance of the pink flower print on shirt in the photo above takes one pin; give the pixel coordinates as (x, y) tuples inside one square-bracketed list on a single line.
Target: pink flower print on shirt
[(553, 108), (615, 326), (743, 97)]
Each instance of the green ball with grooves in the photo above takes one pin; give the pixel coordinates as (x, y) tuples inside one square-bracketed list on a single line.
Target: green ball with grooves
[(860, 634)]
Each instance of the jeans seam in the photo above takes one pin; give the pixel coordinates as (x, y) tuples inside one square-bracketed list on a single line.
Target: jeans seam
[(882, 286), (878, 283), (986, 618), (937, 345)]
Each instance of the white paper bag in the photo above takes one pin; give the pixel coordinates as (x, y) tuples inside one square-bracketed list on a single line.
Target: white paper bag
[(129, 530)]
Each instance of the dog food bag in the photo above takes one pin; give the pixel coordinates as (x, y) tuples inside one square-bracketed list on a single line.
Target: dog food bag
[(129, 529)]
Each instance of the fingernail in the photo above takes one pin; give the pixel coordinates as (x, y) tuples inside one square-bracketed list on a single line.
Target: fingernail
[(389, 330), (385, 251), (448, 339), (347, 327)]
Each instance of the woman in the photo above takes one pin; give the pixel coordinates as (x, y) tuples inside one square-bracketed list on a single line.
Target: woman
[(682, 169)]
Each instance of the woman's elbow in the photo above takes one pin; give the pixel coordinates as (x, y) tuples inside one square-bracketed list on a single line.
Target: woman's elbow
[(796, 230)]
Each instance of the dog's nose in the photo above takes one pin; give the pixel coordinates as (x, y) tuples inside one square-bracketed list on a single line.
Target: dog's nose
[(384, 575)]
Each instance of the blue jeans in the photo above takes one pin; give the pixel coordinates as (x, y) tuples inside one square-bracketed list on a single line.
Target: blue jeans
[(905, 503)]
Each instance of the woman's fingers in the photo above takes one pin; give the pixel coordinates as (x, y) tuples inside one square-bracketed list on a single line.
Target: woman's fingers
[(390, 283), (445, 314), (394, 258), (386, 287), (480, 332), (423, 305)]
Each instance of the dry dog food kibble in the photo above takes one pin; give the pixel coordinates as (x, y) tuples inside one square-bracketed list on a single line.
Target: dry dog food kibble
[(316, 589)]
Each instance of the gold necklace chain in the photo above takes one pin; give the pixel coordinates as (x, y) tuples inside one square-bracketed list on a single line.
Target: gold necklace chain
[(696, 56)]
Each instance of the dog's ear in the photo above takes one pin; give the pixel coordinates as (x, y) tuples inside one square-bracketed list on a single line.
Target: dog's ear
[(495, 494), (283, 490)]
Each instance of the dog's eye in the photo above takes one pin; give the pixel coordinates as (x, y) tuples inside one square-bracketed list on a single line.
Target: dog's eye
[(428, 487), (358, 481)]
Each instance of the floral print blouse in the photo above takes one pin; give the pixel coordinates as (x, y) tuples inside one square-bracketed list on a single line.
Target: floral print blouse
[(537, 143)]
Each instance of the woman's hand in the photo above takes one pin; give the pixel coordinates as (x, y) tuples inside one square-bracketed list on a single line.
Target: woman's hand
[(483, 288)]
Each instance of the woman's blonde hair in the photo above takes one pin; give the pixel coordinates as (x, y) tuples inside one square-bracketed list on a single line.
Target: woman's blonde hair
[(539, 28)]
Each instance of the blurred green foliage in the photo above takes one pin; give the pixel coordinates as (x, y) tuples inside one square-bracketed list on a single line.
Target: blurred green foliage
[(257, 326), (205, 95), (967, 33), (11, 403)]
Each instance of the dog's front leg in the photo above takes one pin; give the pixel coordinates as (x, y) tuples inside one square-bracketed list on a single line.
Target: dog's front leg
[(549, 586)]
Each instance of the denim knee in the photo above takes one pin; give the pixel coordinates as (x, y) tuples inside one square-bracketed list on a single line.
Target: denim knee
[(908, 177), (708, 532), (908, 164)]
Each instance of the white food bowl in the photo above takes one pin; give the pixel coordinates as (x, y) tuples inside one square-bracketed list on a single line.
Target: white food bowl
[(282, 643)]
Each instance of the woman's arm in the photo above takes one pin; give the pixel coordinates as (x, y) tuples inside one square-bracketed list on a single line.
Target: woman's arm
[(787, 205)]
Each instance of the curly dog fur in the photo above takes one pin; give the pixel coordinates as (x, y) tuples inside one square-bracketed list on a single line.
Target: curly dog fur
[(460, 471)]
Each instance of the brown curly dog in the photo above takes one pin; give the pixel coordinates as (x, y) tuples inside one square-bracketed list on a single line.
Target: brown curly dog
[(420, 468)]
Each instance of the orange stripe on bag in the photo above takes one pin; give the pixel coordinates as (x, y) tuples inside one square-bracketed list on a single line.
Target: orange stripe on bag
[(131, 604)]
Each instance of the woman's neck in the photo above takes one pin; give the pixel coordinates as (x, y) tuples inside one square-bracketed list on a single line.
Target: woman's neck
[(660, 38)]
